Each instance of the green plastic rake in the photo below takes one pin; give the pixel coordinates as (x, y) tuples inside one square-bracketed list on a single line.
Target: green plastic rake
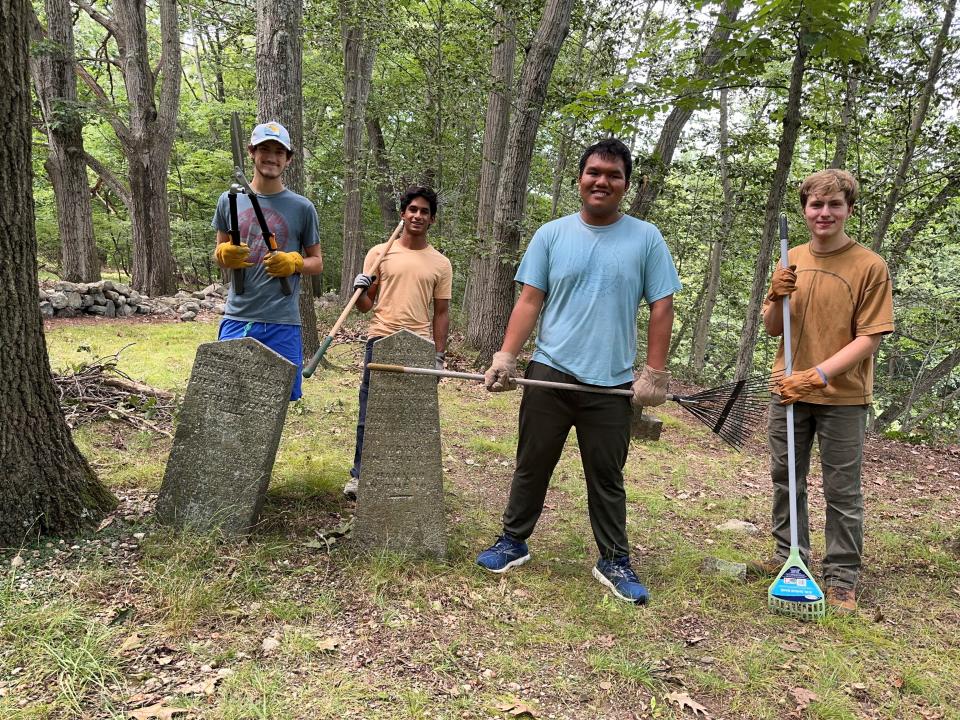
[(794, 592)]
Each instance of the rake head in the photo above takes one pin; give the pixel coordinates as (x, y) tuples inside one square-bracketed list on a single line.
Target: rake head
[(795, 593)]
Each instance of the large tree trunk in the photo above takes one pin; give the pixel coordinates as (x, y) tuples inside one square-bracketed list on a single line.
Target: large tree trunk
[(778, 186), (56, 84), (46, 486), (916, 124), (386, 193), (712, 280), (280, 97), (358, 57), (147, 136), (490, 313), (653, 169), (495, 129)]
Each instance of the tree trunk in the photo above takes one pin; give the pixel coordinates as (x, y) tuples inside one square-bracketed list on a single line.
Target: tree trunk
[(358, 57), (495, 129), (653, 169), (850, 99), (386, 193), (778, 186), (280, 97), (147, 139), (56, 85), (712, 281), (491, 311), (46, 486), (922, 386), (916, 124), (898, 253)]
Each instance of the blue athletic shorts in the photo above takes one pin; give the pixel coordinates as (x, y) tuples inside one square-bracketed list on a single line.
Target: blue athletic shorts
[(284, 340)]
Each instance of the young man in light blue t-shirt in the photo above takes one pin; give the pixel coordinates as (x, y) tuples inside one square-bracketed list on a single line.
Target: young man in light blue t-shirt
[(584, 277), (263, 312)]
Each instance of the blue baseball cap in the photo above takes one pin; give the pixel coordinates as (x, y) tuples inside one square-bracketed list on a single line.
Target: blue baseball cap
[(270, 131)]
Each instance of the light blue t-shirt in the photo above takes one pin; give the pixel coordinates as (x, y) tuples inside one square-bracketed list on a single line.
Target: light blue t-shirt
[(293, 219), (594, 278)]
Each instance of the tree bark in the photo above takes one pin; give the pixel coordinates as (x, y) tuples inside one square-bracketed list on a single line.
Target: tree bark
[(358, 56), (495, 129), (916, 124), (489, 315), (56, 85), (386, 193), (712, 280), (778, 186), (46, 486), (653, 169), (147, 136), (280, 97)]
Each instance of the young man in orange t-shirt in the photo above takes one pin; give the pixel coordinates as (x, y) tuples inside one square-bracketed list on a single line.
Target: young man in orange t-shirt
[(414, 277), (841, 305)]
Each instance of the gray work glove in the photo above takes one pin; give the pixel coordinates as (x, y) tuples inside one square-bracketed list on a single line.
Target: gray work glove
[(439, 359), (501, 373), (650, 387), (363, 281)]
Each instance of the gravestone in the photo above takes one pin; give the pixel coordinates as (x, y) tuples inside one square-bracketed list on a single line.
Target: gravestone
[(400, 496), (227, 436), (645, 427)]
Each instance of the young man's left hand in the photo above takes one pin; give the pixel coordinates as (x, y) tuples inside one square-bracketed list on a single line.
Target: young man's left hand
[(283, 264), (799, 385)]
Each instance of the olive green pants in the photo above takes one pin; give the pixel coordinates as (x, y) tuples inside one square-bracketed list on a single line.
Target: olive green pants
[(840, 431)]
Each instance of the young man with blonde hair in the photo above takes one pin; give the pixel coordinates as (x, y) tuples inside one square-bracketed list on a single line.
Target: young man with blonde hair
[(841, 305)]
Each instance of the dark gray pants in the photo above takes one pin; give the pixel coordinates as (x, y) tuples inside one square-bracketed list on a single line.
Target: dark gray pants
[(840, 432), (603, 434)]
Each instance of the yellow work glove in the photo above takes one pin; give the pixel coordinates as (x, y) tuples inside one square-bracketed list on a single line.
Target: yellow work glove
[(232, 257), (283, 264), (501, 373), (783, 283), (798, 385), (650, 388)]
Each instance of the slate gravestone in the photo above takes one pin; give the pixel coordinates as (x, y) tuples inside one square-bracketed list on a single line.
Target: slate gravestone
[(400, 497), (227, 436)]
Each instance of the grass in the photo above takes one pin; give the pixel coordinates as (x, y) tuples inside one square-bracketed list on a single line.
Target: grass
[(374, 634)]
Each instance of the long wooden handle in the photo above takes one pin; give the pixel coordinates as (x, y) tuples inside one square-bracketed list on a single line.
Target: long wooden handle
[(520, 381), (318, 355)]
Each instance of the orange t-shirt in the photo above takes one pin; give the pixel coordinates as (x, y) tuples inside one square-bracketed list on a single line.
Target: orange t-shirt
[(410, 280), (841, 295)]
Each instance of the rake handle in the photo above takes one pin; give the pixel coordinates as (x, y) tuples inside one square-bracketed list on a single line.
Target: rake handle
[(311, 367), (787, 372)]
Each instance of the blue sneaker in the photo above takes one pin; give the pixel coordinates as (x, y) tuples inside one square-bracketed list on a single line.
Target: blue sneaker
[(504, 554), (621, 579)]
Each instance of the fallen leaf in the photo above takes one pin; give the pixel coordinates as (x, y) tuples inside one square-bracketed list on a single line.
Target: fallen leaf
[(897, 682), (517, 709), (791, 646), (131, 643), (155, 712), (684, 701), (328, 644), (106, 521), (803, 697), (269, 644)]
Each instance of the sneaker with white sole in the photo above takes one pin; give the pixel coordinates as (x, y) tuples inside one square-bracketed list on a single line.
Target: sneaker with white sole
[(617, 575), (350, 489), (504, 554)]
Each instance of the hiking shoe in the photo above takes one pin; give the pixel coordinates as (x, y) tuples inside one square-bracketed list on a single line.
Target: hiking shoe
[(350, 489), (621, 579), (767, 568), (504, 554), (842, 600)]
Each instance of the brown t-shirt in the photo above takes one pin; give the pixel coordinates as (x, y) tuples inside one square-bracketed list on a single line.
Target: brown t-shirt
[(840, 296), (410, 280)]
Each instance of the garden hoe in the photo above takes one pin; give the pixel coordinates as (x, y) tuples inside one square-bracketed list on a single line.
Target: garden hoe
[(794, 592)]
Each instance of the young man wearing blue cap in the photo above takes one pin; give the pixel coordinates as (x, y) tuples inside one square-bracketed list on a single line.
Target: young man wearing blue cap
[(263, 312)]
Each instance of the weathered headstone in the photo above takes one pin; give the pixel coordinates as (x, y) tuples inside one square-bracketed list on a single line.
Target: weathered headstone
[(227, 436), (400, 497), (645, 427)]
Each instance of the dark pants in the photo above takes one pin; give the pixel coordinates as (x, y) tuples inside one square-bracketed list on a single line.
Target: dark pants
[(840, 430), (362, 418), (603, 434)]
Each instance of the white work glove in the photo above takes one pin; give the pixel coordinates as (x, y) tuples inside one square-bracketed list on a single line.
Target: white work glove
[(363, 281), (501, 373), (650, 387)]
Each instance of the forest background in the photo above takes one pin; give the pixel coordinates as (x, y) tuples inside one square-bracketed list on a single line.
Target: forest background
[(726, 106)]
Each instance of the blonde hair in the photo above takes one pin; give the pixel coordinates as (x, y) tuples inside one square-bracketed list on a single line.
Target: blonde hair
[(830, 181)]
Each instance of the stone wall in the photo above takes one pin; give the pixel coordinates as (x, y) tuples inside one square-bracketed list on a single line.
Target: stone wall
[(113, 299)]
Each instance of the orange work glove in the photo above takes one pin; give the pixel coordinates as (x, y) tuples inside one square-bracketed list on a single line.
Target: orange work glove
[(232, 257), (283, 264), (783, 283), (799, 385)]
